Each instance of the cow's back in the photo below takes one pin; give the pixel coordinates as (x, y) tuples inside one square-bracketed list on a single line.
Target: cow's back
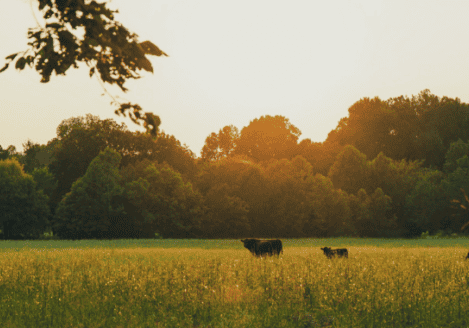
[(277, 246), (264, 247)]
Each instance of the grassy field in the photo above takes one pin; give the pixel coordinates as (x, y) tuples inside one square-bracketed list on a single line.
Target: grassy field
[(217, 283)]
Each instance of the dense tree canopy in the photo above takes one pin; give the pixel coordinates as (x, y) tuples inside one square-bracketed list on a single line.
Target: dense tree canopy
[(221, 144), (79, 140), (401, 177), (171, 206), (84, 212), (421, 127), (23, 207), (268, 137)]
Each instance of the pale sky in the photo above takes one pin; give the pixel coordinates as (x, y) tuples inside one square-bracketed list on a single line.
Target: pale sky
[(233, 61)]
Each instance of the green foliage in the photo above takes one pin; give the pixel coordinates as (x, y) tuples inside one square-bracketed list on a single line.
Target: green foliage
[(23, 207), (456, 150), (331, 212), (417, 128), (45, 180), (427, 206), (166, 148), (244, 185), (384, 221), (288, 196), (225, 215), (368, 125), (397, 179), (79, 140), (440, 234), (172, 207), (351, 171), (7, 153), (455, 185), (268, 137), (35, 156), (320, 155), (85, 212)]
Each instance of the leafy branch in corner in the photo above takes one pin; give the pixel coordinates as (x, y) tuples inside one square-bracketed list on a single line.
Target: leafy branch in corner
[(85, 31)]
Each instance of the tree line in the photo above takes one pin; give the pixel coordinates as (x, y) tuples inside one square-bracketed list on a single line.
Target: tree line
[(394, 168)]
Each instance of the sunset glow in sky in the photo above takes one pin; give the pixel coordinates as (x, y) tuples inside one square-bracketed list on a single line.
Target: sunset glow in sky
[(233, 61)]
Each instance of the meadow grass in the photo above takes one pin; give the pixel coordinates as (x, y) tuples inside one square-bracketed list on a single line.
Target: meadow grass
[(217, 283)]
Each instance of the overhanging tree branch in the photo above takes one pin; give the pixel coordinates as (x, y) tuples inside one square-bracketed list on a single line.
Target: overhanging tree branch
[(86, 31)]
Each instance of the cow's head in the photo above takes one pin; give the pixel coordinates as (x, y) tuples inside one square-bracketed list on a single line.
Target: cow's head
[(250, 243), (326, 250)]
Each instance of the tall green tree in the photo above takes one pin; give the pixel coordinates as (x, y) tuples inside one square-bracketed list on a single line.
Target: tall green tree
[(75, 31), (225, 215), (321, 155), (404, 129), (23, 208), (351, 170), (241, 179), (371, 216), (79, 140), (457, 150), (172, 207), (456, 185), (288, 186), (367, 127), (35, 156), (428, 205), (397, 179), (331, 214), (85, 211)]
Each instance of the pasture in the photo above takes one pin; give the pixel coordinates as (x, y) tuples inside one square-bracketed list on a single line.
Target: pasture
[(219, 283)]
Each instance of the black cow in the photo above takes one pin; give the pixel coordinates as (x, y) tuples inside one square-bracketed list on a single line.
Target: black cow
[(260, 247), (340, 252)]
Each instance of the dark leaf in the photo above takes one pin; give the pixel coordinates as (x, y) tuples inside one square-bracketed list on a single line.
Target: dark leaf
[(20, 63), (92, 71), (4, 68), (145, 64), (43, 3), (150, 49), (11, 57), (54, 25), (32, 34), (29, 60), (48, 14)]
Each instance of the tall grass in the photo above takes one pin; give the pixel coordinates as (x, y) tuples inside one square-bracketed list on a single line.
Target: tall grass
[(384, 283)]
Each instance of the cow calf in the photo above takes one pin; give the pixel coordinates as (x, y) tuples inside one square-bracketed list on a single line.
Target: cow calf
[(330, 253)]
